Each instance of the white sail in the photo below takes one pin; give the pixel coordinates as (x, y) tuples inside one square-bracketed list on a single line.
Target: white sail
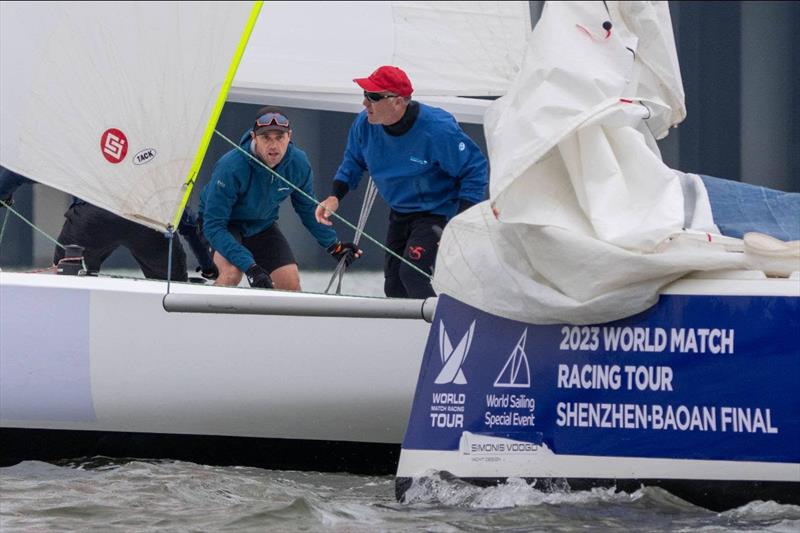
[(573, 143), (306, 54), (109, 101), (585, 222)]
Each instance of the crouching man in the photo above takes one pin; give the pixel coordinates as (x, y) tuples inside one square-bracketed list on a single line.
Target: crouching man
[(240, 206)]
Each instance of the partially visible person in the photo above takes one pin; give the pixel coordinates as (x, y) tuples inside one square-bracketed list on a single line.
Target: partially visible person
[(239, 208), (423, 165), (100, 232), (739, 208)]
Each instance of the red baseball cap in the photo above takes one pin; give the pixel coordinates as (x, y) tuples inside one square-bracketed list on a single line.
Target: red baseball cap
[(387, 78)]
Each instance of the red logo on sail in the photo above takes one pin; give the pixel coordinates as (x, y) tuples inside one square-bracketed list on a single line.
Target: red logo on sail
[(114, 145)]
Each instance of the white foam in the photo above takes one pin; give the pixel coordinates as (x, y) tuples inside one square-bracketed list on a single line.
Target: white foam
[(433, 488)]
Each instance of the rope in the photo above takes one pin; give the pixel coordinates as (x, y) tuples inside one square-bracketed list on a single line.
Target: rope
[(169, 236), (366, 208), (3, 228), (34, 226), (344, 221), (28, 222)]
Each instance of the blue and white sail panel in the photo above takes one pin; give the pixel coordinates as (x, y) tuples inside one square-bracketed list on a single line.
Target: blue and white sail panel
[(699, 387), (109, 101)]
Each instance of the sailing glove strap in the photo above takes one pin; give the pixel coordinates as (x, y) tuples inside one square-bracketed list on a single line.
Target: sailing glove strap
[(211, 272), (346, 250), (258, 277)]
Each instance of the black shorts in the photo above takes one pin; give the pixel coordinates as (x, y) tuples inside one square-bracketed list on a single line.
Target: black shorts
[(270, 248), (100, 232)]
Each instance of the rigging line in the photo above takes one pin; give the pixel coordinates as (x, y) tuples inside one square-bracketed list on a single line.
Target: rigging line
[(3, 228), (31, 224), (317, 202), (169, 235), (34, 226), (366, 208)]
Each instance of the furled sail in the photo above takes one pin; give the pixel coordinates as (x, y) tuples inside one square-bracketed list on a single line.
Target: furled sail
[(573, 142), (110, 101), (585, 222), (305, 54)]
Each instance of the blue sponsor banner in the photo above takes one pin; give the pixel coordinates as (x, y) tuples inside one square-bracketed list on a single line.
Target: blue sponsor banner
[(696, 377)]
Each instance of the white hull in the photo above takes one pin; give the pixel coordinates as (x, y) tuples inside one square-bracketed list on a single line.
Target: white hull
[(286, 377)]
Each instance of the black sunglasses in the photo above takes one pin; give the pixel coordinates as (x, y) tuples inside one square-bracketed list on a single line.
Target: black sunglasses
[(377, 97)]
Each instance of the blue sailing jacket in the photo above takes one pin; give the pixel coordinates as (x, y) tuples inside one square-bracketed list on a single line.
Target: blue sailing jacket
[(429, 168), (244, 196)]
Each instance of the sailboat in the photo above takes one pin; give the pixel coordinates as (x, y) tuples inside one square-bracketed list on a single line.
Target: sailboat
[(513, 371), (617, 339), (116, 103)]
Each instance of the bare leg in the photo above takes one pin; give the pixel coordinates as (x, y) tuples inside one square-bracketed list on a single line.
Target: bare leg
[(229, 275), (286, 277)]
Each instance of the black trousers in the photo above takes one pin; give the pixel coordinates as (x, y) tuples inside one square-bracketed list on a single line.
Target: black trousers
[(100, 232), (415, 237)]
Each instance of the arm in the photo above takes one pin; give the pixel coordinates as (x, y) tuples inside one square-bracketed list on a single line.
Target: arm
[(304, 207), (223, 192), (347, 176), (461, 158), (188, 230), (9, 182)]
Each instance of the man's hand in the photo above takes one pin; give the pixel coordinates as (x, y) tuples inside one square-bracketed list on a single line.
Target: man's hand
[(325, 209), (8, 201), (258, 277), (347, 250)]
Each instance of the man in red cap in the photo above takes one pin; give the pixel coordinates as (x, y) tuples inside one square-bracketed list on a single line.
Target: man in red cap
[(423, 164)]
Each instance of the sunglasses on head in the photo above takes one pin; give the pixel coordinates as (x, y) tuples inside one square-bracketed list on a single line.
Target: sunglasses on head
[(377, 97), (269, 119)]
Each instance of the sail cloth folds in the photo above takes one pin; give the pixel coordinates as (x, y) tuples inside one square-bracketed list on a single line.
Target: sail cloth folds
[(589, 221), (109, 101)]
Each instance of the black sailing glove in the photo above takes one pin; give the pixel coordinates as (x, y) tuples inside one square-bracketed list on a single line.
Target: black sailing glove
[(347, 250), (258, 277), (209, 273), (8, 201)]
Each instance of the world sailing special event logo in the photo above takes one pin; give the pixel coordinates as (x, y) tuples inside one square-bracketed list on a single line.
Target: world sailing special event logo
[(114, 145), (516, 373)]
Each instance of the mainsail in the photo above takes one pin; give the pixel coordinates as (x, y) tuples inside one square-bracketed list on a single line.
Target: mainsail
[(305, 54), (110, 101), (447, 48)]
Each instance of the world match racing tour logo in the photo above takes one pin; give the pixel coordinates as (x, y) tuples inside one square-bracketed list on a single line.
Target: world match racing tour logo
[(447, 408)]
